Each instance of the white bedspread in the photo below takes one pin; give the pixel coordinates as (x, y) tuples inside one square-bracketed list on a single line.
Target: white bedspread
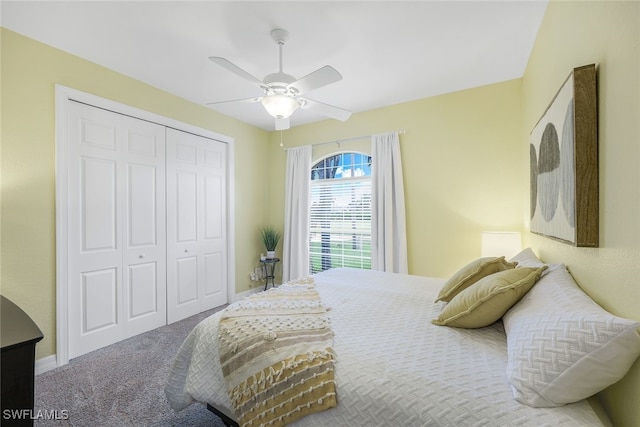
[(394, 368)]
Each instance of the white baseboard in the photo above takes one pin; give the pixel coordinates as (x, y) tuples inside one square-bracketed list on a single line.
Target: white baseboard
[(242, 295), (46, 364)]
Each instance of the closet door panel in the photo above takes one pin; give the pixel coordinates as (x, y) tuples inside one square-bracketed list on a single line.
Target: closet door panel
[(213, 213), (196, 231), (145, 226), (142, 218), (187, 280), (98, 204), (214, 237), (186, 199), (142, 143), (143, 298), (183, 248), (116, 223), (99, 303), (95, 247), (215, 283)]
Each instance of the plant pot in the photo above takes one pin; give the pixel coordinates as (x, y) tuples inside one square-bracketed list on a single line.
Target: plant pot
[(271, 254)]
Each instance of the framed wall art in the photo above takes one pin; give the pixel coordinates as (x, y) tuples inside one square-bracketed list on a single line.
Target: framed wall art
[(563, 149)]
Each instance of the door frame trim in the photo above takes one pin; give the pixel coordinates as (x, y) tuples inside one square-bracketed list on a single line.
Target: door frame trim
[(63, 95)]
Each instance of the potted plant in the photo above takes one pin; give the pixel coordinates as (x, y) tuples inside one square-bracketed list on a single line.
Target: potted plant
[(270, 237)]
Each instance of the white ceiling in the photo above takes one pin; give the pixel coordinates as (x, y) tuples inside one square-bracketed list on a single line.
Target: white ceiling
[(388, 52)]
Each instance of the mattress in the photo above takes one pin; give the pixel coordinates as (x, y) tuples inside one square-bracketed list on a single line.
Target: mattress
[(394, 367)]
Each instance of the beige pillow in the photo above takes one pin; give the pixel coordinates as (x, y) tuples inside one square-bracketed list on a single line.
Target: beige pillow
[(489, 299), (471, 273)]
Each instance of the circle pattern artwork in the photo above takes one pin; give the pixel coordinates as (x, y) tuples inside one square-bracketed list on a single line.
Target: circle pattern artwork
[(533, 179), (549, 172)]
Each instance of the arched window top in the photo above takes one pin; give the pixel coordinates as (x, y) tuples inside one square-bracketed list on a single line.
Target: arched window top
[(342, 165)]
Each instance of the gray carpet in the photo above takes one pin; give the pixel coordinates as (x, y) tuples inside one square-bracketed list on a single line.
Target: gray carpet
[(121, 385)]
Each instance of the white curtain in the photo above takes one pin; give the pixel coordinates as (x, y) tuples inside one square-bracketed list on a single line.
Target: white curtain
[(295, 256), (388, 223)]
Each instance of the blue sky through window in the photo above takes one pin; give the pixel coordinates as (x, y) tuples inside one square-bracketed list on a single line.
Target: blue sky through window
[(344, 165)]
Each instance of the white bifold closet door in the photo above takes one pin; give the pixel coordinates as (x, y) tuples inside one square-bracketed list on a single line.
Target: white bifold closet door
[(117, 227), (196, 224)]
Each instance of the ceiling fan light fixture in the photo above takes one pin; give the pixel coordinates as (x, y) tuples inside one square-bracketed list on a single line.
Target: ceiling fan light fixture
[(280, 106), (281, 90)]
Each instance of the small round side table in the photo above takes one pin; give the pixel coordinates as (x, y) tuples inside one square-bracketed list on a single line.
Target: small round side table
[(269, 270)]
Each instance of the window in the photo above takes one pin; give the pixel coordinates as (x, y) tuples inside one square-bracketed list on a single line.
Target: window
[(340, 223)]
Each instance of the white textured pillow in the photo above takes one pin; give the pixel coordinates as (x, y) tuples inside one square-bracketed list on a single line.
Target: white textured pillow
[(527, 258), (562, 346)]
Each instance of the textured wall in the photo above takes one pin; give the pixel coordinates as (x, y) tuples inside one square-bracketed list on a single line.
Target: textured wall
[(607, 34)]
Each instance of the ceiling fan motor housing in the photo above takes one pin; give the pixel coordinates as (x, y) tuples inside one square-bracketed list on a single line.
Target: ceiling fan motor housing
[(278, 83)]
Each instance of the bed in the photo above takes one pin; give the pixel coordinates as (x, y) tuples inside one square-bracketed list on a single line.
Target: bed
[(394, 366)]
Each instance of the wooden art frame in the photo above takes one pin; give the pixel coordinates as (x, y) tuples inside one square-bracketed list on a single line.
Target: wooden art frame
[(563, 150)]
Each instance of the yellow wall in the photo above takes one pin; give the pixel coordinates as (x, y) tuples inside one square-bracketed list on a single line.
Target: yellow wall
[(465, 158), (607, 34), (29, 72), (461, 162)]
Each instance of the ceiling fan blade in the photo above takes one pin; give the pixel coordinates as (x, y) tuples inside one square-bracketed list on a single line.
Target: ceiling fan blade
[(237, 70), (239, 101), (326, 109), (321, 77), (282, 124)]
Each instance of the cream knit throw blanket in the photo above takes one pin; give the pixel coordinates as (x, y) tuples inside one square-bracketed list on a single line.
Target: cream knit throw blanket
[(276, 355)]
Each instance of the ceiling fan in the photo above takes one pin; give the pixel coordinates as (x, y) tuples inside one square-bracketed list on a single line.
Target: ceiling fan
[(282, 92)]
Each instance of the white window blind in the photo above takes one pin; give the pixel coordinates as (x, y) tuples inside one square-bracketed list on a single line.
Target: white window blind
[(340, 223)]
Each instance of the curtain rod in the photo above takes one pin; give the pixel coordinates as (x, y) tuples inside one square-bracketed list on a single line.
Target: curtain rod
[(339, 141)]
